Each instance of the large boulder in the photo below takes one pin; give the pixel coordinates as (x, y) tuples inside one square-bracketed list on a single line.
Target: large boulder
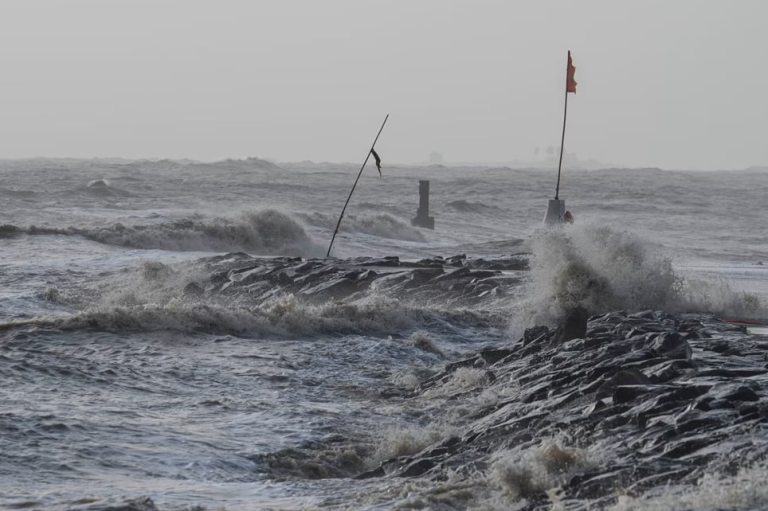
[(574, 326)]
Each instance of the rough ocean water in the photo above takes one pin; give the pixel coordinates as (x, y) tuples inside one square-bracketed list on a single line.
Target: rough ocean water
[(171, 336)]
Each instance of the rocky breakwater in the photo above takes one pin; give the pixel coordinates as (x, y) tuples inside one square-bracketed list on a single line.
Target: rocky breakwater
[(654, 399), (456, 280)]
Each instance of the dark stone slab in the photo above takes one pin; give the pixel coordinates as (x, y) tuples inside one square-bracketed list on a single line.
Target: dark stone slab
[(574, 326)]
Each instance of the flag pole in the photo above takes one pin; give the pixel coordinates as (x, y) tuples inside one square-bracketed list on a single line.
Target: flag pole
[(562, 139), (336, 230)]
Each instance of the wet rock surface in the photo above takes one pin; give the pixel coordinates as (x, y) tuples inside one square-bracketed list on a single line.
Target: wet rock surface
[(668, 398), (455, 280)]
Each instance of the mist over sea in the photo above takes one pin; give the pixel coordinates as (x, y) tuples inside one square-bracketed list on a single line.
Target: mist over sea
[(138, 361)]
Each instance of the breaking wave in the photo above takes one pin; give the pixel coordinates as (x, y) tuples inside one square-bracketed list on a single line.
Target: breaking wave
[(158, 297), (377, 224), (265, 232), (103, 188), (283, 318), (536, 470), (602, 269)]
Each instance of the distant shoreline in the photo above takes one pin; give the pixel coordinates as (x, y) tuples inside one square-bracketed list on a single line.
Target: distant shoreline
[(548, 165)]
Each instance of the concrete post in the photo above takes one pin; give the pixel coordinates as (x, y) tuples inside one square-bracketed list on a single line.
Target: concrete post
[(555, 212), (423, 199), (422, 215)]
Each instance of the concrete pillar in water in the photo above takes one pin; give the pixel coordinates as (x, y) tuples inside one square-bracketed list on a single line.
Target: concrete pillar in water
[(422, 215), (555, 212)]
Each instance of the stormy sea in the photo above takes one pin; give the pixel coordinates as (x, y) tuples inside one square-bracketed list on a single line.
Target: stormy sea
[(173, 337)]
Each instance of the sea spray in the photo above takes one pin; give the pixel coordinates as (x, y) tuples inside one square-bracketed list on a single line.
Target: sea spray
[(531, 473), (461, 380), (408, 440), (601, 269), (197, 297)]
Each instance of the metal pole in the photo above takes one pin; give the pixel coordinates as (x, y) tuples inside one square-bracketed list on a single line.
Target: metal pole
[(335, 231), (562, 140)]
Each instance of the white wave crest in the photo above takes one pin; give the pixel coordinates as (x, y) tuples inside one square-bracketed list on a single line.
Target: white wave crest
[(603, 269), (266, 232), (281, 319), (157, 297), (394, 442), (103, 188)]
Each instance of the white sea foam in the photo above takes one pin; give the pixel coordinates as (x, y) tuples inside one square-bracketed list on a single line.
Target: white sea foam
[(151, 283), (745, 490), (425, 342), (512, 478), (411, 378), (604, 269), (405, 441), (462, 379), (155, 297), (522, 475)]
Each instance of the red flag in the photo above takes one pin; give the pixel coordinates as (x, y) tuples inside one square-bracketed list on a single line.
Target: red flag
[(570, 83)]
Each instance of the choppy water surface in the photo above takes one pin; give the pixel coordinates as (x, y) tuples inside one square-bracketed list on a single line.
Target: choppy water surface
[(122, 381)]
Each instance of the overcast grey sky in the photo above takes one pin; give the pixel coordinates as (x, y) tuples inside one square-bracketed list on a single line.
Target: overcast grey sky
[(668, 83)]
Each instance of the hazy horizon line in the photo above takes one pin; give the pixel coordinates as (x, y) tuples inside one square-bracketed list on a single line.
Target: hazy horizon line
[(517, 164)]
